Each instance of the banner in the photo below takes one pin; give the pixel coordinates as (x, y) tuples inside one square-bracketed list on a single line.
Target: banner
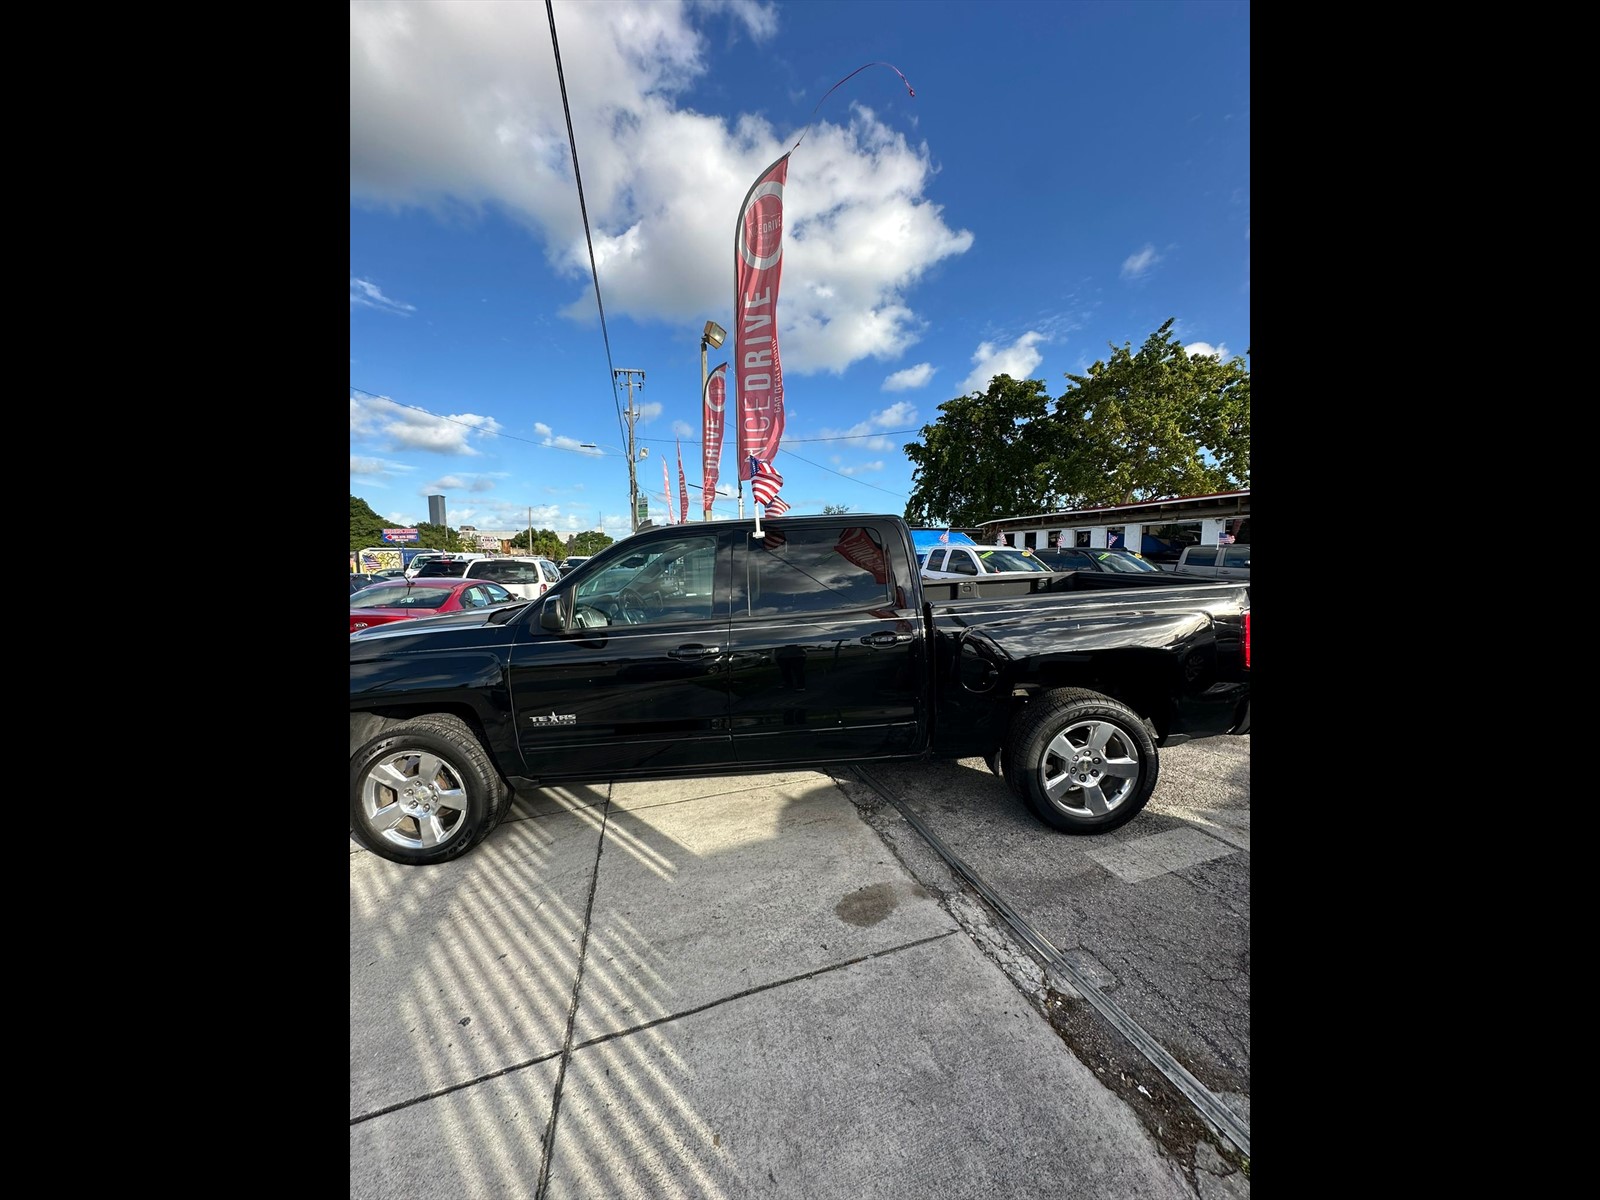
[(683, 489), (666, 490), (757, 268), (714, 401)]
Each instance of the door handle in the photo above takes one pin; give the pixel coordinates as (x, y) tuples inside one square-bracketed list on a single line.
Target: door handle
[(693, 650), (884, 639)]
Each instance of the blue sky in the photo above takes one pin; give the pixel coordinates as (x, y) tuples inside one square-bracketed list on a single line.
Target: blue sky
[(1067, 177)]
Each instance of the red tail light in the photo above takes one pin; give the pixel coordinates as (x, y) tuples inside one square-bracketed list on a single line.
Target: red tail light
[(1247, 639)]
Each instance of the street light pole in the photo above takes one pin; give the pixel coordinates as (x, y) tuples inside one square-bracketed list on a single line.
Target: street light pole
[(712, 336)]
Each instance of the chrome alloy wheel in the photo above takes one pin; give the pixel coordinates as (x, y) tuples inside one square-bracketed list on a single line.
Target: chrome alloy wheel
[(1089, 768), (413, 799)]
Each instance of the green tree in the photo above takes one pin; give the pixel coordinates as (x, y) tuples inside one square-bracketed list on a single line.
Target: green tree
[(366, 529), (829, 509), (590, 541), (1158, 423), (546, 543), (998, 452), (366, 526)]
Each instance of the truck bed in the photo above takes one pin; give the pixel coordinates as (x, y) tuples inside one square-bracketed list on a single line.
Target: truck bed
[(936, 590)]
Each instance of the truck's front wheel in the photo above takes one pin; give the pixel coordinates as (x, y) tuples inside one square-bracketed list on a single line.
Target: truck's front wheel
[(424, 792), (1085, 763)]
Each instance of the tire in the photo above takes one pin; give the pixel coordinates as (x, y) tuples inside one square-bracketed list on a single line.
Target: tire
[(425, 792), (1107, 741)]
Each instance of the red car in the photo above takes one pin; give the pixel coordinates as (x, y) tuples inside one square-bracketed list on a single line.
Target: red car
[(400, 599)]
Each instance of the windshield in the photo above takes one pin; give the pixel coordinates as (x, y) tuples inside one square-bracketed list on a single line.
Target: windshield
[(1121, 560), (997, 560)]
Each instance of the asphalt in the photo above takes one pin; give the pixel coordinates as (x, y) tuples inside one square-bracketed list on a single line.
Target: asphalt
[(717, 988)]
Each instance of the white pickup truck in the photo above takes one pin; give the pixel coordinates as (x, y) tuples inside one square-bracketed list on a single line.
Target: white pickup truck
[(966, 562), (1215, 562)]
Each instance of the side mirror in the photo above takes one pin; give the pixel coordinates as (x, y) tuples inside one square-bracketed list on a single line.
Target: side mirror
[(550, 615)]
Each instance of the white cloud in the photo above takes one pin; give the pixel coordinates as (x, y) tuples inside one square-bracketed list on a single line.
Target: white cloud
[(1140, 262), (1016, 360), (549, 437), (366, 294), (1205, 348), (900, 415), (456, 108), (911, 377), (380, 422)]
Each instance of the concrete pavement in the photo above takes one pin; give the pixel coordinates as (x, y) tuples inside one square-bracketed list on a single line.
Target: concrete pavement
[(718, 988)]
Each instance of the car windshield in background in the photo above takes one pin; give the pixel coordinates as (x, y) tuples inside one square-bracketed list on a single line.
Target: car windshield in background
[(1009, 560), (400, 595), (1123, 560), (439, 568)]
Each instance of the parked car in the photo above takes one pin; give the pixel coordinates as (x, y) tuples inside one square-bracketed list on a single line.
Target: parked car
[(389, 573), (1084, 558), (357, 582), (529, 578), (1215, 562), (570, 561), (959, 562), (428, 556), (400, 599)]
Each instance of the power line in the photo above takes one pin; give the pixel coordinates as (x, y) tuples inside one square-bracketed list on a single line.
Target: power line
[(842, 475), (583, 208)]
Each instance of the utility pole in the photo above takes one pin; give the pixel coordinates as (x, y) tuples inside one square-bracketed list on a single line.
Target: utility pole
[(633, 475)]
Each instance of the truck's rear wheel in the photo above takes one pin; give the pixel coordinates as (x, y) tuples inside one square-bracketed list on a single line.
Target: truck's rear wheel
[(425, 791), (1085, 763)]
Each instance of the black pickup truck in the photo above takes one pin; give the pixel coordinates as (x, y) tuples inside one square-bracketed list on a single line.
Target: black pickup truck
[(724, 646)]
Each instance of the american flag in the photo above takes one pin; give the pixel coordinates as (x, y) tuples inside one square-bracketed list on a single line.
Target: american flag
[(945, 536), (777, 506), (764, 480), (1224, 539)]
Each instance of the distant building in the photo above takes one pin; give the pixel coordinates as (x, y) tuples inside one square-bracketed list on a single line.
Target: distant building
[(436, 510)]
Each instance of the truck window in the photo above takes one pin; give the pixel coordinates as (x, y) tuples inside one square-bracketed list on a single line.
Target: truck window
[(816, 570), (961, 563), (1236, 556), (673, 579)]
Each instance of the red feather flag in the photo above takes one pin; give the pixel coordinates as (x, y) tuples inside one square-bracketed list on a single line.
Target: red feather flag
[(715, 400), (757, 271), (683, 489)]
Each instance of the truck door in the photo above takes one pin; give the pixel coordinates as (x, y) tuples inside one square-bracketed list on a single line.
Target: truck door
[(825, 650), (644, 686)]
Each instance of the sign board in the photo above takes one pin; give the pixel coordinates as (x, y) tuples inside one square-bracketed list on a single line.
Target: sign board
[(399, 535), (643, 509)]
